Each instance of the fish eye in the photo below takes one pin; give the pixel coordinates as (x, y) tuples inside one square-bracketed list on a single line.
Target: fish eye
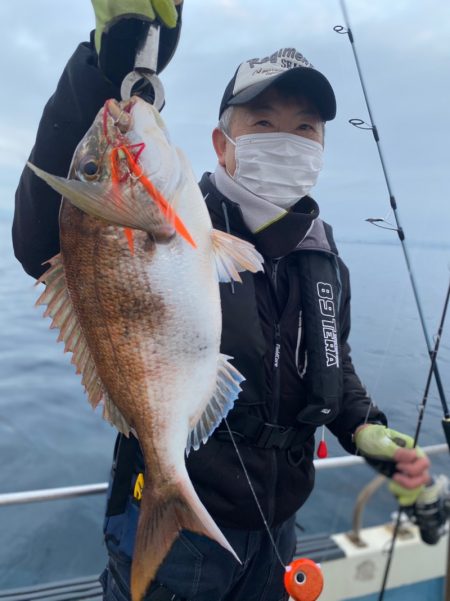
[(89, 169)]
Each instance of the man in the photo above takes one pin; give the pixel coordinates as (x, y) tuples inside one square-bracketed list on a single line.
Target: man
[(286, 327)]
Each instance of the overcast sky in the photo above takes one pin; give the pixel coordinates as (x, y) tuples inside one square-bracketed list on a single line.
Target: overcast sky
[(404, 51)]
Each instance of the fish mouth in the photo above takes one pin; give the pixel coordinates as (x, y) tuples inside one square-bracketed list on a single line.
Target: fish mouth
[(120, 112)]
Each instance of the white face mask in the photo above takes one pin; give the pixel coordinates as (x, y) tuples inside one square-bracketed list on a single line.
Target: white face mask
[(279, 167)]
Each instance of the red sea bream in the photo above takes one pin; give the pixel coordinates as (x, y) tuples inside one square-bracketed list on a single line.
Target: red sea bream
[(135, 295)]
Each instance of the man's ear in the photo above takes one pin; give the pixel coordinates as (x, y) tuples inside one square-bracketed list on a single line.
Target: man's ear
[(219, 142)]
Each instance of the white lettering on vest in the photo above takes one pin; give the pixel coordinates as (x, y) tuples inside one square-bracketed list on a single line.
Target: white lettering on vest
[(327, 310)]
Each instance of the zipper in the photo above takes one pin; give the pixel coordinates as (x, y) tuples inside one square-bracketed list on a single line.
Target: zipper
[(274, 415), (277, 348), (274, 274), (227, 225), (300, 368), (275, 386)]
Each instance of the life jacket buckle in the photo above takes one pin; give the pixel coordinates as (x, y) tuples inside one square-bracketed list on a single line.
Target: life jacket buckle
[(273, 436)]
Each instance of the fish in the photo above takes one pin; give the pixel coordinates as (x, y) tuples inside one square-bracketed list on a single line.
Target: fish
[(134, 293)]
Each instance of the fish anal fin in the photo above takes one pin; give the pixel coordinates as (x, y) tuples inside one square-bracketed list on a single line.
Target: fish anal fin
[(161, 518), (112, 414), (60, 309), (228, 387), (233, 255)]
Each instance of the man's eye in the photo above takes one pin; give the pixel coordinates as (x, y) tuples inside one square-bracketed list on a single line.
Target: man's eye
[(264, 123), (306, 127)]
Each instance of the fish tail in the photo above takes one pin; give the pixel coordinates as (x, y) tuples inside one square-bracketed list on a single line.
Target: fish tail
[(161, 519)]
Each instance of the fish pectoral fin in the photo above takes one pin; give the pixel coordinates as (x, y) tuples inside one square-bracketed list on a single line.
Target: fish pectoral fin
[(233, 255), (228, 387), (161, 518), (105, 201), (64, 318)]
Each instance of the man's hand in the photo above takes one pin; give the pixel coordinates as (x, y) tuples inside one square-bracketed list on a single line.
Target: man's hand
[(411, 464), (108, 12), (122, 26)]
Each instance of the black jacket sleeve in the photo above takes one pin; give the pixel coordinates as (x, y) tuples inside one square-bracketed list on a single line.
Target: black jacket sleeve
[(357, 407), (80, 93)]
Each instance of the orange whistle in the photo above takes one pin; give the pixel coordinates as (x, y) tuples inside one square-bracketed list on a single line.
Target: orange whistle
[(303, 580)]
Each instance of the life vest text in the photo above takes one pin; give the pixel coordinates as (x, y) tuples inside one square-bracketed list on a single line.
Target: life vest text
[(327, 310)]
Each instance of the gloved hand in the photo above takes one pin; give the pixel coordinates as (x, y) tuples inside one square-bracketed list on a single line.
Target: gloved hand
[(392, 453), (108, 12), (121, 25)]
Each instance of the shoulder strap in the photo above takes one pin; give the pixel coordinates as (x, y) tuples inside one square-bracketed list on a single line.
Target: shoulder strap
[(329, 234), (320, 294)]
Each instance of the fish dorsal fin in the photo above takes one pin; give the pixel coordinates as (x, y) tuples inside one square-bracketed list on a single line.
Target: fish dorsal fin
[(233, 255), (60, 309), (226, 392)]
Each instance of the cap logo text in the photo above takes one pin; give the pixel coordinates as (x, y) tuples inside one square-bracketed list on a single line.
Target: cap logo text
[(285, 53)]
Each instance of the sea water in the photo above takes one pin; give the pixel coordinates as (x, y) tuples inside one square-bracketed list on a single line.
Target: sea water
[(50, 437)]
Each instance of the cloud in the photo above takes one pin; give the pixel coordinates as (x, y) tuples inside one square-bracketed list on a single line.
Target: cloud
[(26, 41), (403, 49)]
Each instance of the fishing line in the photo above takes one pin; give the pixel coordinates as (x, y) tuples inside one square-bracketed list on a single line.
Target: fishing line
[(384, 355), (303, 578), (337, 514), (266, 525), (244, 469), (360, 124), (416, 436), (373, 388)]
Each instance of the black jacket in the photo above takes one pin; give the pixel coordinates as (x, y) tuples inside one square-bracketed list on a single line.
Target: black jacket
[(257, 315)]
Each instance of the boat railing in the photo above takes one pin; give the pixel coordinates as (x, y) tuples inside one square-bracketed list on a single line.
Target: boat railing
[(70, 492)]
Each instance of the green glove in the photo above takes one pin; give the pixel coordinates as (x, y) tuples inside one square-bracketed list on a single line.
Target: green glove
[(121, 27), (378, 442), (379, 445), (405, 496), (107, 12)]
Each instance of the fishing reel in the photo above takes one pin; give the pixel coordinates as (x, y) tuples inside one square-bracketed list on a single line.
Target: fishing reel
[(432, 510)]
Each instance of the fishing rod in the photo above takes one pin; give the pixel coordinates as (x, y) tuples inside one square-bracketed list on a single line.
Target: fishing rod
[(360, 124), (433, 369), (416, 437)]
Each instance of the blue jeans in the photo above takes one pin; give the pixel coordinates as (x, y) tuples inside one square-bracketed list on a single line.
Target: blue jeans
[(198, 569)]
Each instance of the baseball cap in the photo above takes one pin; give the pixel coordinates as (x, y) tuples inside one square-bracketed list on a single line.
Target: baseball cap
[(288, 65)]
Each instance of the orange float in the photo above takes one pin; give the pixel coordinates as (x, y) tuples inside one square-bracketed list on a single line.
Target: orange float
[(303, 580)]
